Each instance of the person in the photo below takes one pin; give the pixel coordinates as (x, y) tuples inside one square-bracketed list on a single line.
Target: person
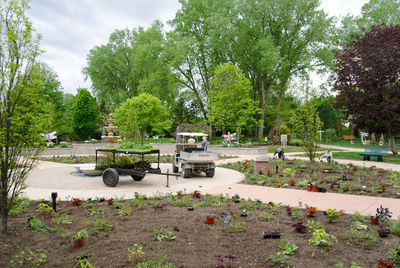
[(204, 143), (191, 140), (273, 139), (280, 153), (266, 139), (328, 156)]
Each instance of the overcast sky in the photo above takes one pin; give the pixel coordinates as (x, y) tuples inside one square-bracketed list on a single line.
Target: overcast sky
[(70, 28)]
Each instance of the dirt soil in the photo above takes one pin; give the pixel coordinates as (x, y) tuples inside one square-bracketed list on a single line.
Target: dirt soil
[(196, 242)]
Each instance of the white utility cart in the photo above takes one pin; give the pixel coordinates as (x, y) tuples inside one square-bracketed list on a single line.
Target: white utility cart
[(191, 158)]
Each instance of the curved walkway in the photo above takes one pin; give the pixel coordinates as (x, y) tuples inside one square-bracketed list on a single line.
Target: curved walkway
[(55, 177)]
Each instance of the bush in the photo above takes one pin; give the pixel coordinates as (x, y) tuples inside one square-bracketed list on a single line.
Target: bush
[(395, 228), (123, 161)]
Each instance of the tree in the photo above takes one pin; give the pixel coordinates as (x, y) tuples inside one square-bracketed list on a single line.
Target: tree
[(131, 63), (84, 114), (20, 104), (305, 122), (146, 112), (230, 99), (368, 70)]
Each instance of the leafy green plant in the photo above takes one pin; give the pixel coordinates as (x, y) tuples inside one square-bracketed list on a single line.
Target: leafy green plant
[(395, 228), (37, 225), (83, 262), (184, 201), (63, 219), (360, 234), (21, 205), (164, 234), (358, 217), (333, 214), (156, 263), (82, 234), (394, 255), (321, 238), (237, 227), (138, 203), (124, 211), (314, 225), (123, 161), (282, 257), (93, 210), (135, 252), (33, 258), (101, 225), (45, 210), (265, 216)]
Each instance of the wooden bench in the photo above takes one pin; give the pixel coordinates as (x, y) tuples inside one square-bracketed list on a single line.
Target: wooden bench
[(349, 138), (374, 151)]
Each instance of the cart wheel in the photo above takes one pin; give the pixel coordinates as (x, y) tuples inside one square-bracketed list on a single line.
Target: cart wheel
[(110, 177), (210, 172), (137, 177), (175, 169), (186, 172)]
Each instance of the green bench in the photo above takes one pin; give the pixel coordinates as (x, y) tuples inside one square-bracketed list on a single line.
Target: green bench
[(374, 151)]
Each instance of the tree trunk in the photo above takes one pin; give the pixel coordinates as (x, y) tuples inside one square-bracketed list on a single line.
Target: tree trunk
[(277, 120), (4, 212), (393, 143), (263, 103), (382, 139), (142, 132), (353, 128)]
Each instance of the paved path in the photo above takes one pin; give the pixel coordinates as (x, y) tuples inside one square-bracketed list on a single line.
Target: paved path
[(55, 177)]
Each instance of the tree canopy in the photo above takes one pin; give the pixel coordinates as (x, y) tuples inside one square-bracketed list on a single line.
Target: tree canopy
[(85, 114), (368, 71)]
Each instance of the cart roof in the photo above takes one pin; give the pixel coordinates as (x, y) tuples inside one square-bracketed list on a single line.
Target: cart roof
[(191, 134)]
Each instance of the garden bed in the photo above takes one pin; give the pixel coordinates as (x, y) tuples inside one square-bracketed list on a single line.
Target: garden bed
[(164, 225), (334, 177)]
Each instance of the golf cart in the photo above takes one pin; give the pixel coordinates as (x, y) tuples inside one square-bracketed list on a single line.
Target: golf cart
[(191, 159)]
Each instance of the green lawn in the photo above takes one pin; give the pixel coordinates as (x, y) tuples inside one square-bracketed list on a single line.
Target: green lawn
[(356, 156), (357, 144), (293, 149)]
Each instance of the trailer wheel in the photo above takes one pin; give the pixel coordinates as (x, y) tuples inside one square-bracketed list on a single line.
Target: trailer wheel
[(186, 172), (110, 177), (137, 177), (210, 172)]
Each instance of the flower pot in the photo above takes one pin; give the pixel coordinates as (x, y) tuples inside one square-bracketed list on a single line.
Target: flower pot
[(309, 188), (315, 189), (209, 220), (190, 208), (374, 221), (79, 243), (266, 235)]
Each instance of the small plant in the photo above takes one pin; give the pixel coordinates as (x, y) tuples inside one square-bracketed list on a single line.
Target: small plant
[(333, 214), (64, 219), (110, 201), (236, 198), (135, 253), (321, 238), (282, 257), (314, 225), (83, 262), (289, 210), (21, 205), (29, 257), (292, 182), (383, 231), (157, 262), (237, 227), (124, 211), (265, 216), (384, 264), (358, 217), (37, 225), (138, 203), (164, 234), (81, 235), (196, 194), (360, 234), (299, 227), (160, 207), (101, 225), (76, 201), (311, 211), (394, 255), (45, 211), (383, 213)]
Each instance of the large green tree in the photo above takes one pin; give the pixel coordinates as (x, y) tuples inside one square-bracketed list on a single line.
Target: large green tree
[(144, 113), (131, 63), (85, 114), (230, 102), (20, 103)]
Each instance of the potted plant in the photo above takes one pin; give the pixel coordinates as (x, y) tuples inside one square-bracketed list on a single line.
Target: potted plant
[(210, 219), (80, 237), (196, 194), (382, 214), (309, 187), (292, 182), (76, 201), (275, 234), (315, 188), (236, 198), (311, 211)]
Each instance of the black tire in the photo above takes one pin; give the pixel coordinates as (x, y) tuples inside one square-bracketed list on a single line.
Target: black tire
[(175, 169), (110, 177), (137, 177), (210, 172), (186, 172)]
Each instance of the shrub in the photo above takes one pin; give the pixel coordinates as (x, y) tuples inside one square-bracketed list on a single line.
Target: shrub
[(21, 206), (321, 238), (123, 161)]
